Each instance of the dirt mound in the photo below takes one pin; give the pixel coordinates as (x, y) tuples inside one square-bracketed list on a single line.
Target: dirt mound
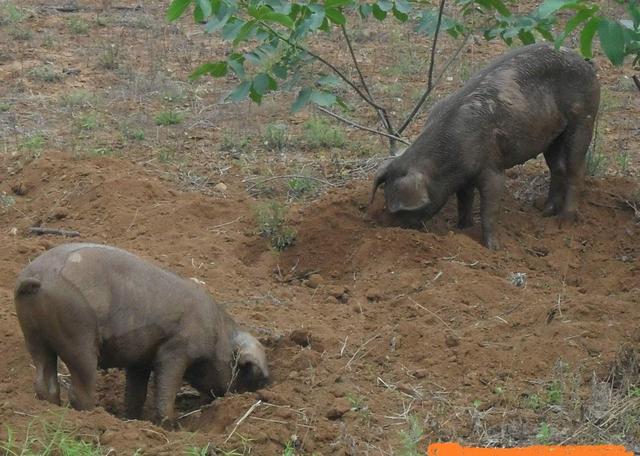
[(389, 321)]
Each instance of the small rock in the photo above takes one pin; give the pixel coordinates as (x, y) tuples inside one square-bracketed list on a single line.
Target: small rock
[(421, 373), (60, 213), (451, 341), (301, 337), (340, 407), (315, 280), (220, 187), (373, 295)]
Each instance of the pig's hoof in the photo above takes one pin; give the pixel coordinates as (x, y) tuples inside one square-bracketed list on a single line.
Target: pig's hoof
[(462, 224), (491, 244), (568, 218), (168, 424)]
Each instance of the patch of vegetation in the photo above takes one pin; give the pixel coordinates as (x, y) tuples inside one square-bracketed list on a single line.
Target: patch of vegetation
[(166, 155), (6, 201), (50, 440), (4, 107), (596, 161), (197, 451), (110, 57), (301, 186), (45, 73), (410, 438), (276, 137), (623, 160), (232, 143), (32, 145), (136, 134), (87, 122), (20, 33), (289, 449), (174, 92), (78, 26), (168, 118), (76, 99), (544, 434), (11, 14), (271, 220), (319, 133)]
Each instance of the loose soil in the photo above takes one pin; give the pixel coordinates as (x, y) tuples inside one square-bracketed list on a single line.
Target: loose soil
[(369, 326)]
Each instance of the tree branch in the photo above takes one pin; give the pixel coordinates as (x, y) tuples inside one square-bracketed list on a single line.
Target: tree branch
[(432, 62), (362, 127), (382, 113), (636, 79), (428, 91), (56, 231), (319, 58)]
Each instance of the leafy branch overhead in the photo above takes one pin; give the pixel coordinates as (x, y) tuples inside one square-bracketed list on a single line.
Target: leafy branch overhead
[(269, 40)]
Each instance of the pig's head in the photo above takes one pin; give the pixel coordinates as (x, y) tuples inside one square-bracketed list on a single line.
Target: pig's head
[(252, 372), (407, 188)]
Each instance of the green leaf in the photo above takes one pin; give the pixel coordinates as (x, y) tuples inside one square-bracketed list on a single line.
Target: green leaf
[(323, 98), (215, 69), (337, 3), (236, 63), (576, 20), (385, 5), (546, 34), (241, 92), (261, 83), (255, 96), (198, 16), (329, 80), (205, 7), (378, 13), (501, 8), (402, 17), (403, 6), (549, 7), (335, 16), (231, 29), (612, 40), (176, 9), (219, 20), (365, 10), (244, 32), (279, 18), (586, 37), (301, 100), (280, 71), (526, 37)]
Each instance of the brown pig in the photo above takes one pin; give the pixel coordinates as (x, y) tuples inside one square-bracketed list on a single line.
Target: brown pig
[(99, 306), (530, 100)]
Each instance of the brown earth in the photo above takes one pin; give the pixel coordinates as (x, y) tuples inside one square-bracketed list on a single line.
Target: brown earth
[(371, 329)]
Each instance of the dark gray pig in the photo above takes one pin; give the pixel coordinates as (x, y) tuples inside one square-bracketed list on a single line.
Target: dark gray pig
[(530, 100), (99, 306)]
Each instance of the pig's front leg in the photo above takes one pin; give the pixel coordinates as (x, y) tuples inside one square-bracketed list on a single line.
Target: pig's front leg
[(491, 185), (465, 206), (168, 372)]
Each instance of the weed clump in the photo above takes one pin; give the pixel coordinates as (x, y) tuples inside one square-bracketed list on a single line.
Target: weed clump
[(271, 220), (319, 133)]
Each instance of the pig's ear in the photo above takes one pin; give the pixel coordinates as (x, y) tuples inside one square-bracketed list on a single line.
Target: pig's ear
[(380, 177), (251, 359), (407, 193)]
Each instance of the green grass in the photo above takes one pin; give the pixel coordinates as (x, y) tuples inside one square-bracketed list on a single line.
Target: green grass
[(87, 122), (110, 57), (50, 440), (410, 438), (231, 143), (4, 107), (596, 161), (276, 137), (11, 14), (45, 73), (300, 187), (318, 133), (76, 99), (20, 33), (32, 144), (78, 26), (168, 118), (271, 220)]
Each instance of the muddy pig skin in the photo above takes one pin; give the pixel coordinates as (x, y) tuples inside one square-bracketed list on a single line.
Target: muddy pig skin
[(531, 100), (96, 306)]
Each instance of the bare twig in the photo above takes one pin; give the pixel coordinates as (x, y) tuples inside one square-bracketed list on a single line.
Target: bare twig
[(381, 112), (225, 224), (362, 127), (636, 79), (428, 91), (431, 312), (325, 62), (360, 348), (290, 176), (242, 418), (59, 232)]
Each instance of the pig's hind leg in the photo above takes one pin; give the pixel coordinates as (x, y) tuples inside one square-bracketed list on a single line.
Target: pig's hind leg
[(46, 378), (465, 206), (575, 149), (491, 185), (83, 366), (555, 157)]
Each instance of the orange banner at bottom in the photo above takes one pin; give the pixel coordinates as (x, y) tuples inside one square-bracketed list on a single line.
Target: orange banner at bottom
[(453, 449)]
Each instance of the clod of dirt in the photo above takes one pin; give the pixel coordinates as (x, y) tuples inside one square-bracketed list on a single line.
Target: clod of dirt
[(301, 337), (20, 189), (373, 295), (60, 213), (220, 187), (271, 397), (421, 373), (305, 359), (314, 281), (340, 406), (340, 293), (451, 340)]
